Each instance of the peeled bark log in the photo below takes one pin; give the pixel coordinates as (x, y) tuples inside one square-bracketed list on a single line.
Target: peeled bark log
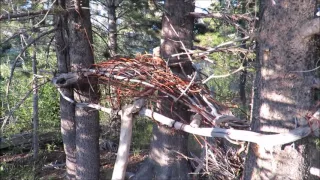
[(119, 171)]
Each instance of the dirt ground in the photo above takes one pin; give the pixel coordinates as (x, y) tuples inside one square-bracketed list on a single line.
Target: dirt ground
[(51, 165)]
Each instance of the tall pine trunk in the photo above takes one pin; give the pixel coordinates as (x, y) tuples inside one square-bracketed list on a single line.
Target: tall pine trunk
[(35, 106), (112, 25), (80, 126), (86, 119), (67, 109), (282, 92), (165, 161)]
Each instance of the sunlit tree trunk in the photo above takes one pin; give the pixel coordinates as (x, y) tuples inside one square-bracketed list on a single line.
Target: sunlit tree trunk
[(86, 119), (35, 100), (79, 126), (165, 160), (67, 109), (112, 25), (282, 92), (243, 74)]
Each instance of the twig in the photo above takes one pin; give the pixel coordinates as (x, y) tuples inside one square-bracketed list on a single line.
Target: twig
[(13, 36), (308, 70), (214, 111), (187, 88), (45, 16), (211, 50), (19, 104), (182, 44), (222, 76), (21, 52), (219, 15), (9, 16)]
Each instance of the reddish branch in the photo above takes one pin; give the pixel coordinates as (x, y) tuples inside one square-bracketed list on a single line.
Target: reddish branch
[(145, 75)]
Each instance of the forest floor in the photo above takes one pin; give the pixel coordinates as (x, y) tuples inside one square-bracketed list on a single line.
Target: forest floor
[(50, 165)]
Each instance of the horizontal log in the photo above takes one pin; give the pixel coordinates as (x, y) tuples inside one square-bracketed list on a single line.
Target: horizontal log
[(25, 140), (219, 15), (9, 16), (264, 140)]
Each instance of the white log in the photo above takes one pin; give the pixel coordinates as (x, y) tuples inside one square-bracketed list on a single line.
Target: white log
[(315, 171), (240, 135), (263, 140), (119, 171)]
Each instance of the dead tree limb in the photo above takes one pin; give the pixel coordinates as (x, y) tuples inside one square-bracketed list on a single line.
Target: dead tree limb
[(25, 140), (219, 15), (309, 28), (21, 52), (126, 114), (9, 16), (264, 140), (18, 105)]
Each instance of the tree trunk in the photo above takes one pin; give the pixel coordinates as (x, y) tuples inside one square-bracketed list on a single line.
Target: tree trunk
[(79, 126), (67, 109), (86, 119), (112, 25), (35, 113), (282, 93), (167, 147), (243, 73)]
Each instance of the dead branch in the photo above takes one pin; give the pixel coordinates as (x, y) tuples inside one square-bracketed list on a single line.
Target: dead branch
[(25, 140), (221, 76), (9, 16), (226, 46), (126, 114), (18, 105), (263, 140), (21, 52), (142, 76), (218, 15), (308, 29), (13, 36)]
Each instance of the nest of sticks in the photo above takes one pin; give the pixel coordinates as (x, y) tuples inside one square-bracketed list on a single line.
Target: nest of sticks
[(150, 77)]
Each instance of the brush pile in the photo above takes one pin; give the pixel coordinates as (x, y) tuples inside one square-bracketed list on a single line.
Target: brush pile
[(150, 77)]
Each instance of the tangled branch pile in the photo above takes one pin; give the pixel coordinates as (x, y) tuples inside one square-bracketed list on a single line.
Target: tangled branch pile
[(145, 76), (150, 78)]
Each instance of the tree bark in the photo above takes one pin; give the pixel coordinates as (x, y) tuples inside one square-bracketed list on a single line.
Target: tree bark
[(165, 160), (282, 94), (243, 73), (112, 25), (67, 109), (9, 16), (86, 119), (79, 126), (35, 107)]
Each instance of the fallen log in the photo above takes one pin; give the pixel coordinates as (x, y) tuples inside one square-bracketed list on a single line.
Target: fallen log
[(24, 140)]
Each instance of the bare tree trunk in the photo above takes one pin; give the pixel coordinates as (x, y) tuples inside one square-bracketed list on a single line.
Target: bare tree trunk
[(243, 73), (67, 109), (165, 161), (86, 119), (35, 113), (112, 25), (282, 93)]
